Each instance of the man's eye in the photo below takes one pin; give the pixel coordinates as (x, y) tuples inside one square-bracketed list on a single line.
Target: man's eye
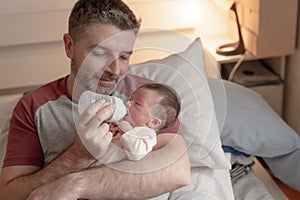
[(125, 57), (98, 53)]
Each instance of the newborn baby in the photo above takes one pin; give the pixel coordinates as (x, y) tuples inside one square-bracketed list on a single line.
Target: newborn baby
[(150, 108)]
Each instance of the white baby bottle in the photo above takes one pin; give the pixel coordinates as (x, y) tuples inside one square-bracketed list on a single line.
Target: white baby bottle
[(89, 97)]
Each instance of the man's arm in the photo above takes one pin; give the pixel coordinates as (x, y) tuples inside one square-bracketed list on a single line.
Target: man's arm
[(17, 182), (160, 171)]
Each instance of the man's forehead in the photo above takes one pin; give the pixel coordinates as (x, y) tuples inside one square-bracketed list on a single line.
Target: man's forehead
[(113, 49), (123, 41), (110, 37)]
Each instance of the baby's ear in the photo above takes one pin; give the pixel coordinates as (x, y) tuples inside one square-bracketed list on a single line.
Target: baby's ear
[(155, 123)]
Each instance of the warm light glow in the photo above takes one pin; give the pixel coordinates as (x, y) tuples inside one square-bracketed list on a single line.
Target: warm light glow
[(167, 14), (224, 4), (213, 21)]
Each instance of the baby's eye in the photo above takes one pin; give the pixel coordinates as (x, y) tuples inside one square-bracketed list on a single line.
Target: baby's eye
[(136, 103)]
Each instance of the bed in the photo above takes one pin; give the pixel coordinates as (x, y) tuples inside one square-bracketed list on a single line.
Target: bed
[(245, 122), (214, 108)]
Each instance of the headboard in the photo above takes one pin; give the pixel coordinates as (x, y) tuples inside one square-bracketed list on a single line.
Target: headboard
[(31, 46)]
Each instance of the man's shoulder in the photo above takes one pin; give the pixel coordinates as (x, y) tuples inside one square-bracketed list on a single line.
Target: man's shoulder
[(43, 94)]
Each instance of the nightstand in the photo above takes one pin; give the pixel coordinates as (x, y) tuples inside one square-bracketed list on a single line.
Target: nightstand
[(271, 90)]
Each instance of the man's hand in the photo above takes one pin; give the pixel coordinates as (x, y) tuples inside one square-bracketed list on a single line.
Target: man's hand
[(92, 131)]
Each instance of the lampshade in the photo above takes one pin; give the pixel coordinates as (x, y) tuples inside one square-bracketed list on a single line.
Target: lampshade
[(224, 4)]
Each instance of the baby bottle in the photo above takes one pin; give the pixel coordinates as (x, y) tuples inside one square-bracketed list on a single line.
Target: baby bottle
[(89, 97)]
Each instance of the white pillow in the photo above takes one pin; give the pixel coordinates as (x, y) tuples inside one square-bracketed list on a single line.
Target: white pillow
[(184, 72), (249, 125)]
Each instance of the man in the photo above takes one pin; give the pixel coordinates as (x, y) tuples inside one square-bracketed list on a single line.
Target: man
[(46, 158)]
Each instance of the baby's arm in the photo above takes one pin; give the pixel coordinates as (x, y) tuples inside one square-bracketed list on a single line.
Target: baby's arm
[(138, 142)]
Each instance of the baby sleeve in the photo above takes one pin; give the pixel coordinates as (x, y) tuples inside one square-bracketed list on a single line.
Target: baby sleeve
[(138, 142)]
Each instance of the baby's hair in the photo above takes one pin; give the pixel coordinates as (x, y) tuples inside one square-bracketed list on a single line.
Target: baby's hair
[(170, 102)]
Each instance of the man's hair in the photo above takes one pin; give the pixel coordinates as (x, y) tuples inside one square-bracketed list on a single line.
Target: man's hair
[(113, 12), (170, 103)]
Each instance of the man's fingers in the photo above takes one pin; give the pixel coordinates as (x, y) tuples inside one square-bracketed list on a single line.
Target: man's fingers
[(103, 129), (108, 136), (91, 111), (105, 113), (97, 141), (100, 117), (98, 132), (93, 118)]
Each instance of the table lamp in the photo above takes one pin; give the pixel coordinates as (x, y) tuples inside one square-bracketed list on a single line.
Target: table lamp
[(236, 47)]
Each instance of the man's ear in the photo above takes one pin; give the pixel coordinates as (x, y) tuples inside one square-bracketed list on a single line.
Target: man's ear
[(155, 123), (68, 41)]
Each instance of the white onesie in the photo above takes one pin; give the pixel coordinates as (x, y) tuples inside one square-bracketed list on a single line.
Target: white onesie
[(134, 144)]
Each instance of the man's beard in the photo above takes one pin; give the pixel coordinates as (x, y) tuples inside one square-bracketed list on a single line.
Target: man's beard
[(89, 80)]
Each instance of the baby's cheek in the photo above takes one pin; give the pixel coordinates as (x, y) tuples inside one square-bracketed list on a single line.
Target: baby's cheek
[(142, 120)]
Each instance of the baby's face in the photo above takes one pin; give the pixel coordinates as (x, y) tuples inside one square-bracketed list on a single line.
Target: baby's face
[(139, 106)]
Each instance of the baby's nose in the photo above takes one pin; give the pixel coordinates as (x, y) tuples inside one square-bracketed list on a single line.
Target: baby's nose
[(128, 104)]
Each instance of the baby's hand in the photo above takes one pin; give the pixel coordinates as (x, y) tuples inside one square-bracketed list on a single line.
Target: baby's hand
[(115, 130), (138, 142)]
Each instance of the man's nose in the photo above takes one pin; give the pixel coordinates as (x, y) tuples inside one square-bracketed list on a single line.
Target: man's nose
[(114, 67)]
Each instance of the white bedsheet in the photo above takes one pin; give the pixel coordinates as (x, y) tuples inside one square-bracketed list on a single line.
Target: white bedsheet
[(257, 185), (249, 187)]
